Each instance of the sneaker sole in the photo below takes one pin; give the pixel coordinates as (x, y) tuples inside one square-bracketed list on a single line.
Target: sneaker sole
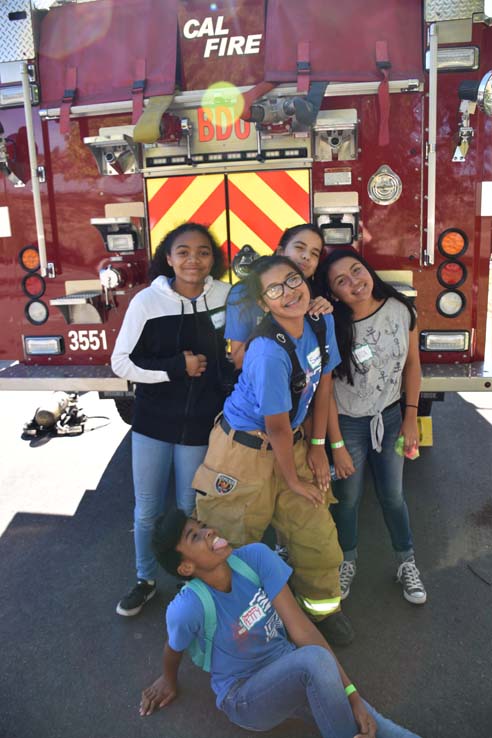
[(415, 600), (135, 610), (344, 595)]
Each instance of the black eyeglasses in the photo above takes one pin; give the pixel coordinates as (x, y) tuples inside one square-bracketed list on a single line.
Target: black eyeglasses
[(275, 291)]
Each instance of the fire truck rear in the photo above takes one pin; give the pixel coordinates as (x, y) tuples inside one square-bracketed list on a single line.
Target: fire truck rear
[(120, 120)]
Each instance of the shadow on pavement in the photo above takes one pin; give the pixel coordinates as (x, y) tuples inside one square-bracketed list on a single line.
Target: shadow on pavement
[(72, 668)]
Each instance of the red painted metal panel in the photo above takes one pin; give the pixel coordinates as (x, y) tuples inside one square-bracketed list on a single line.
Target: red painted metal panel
[(342, 39), (104, 41), (223, 44)]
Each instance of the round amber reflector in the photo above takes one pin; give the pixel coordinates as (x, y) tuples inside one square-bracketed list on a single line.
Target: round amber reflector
[(451, 274), (452, 243), (29, 258), (33, 285)]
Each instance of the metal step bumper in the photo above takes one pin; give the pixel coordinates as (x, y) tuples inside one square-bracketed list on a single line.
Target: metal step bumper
[(63, 378), (476, 377)]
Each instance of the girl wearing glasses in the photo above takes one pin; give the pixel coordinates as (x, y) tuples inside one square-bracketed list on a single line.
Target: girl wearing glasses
[(303, 244), (259, 468)]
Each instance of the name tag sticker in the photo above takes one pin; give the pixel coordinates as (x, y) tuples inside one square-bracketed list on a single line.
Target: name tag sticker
[(218, 319), (363, 353), (314, 359)]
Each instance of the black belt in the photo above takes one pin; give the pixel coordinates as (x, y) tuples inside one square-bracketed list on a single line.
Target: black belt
[(246, 439)]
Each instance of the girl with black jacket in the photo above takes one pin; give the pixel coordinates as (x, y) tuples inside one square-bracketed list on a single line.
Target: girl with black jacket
[(171, 344)]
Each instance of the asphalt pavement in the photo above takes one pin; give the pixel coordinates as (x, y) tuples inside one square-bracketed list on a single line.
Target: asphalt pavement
[(72, 668)]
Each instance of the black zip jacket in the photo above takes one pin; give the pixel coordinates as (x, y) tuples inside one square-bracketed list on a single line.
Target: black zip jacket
[(158, 326)]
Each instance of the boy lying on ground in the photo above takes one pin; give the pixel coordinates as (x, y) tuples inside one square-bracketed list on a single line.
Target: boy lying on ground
[(269, 662)]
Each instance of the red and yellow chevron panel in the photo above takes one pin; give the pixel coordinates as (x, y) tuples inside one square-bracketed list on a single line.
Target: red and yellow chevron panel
[(263, 204), (239, 208), (175, 200)]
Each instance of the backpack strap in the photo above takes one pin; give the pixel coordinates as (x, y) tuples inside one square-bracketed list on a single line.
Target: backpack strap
[(210, 618), (241, 567), (269, 329), (319, 329)]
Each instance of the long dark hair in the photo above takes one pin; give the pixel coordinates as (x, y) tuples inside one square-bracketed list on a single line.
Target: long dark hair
[(343, 314), (237, 298), (253, 283), (291, 232), (159, 265)]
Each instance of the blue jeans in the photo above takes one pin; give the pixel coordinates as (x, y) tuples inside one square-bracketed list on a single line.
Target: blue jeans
[(152, 461), (302, 684), (387, 471)]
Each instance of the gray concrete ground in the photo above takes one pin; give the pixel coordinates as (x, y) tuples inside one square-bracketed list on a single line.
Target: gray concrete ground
[(72, 668)]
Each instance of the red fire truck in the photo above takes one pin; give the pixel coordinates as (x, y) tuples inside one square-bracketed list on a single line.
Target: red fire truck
[(121, 119)]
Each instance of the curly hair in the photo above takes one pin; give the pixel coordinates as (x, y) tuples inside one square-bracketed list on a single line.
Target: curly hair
[(159, 265), (166, 535)]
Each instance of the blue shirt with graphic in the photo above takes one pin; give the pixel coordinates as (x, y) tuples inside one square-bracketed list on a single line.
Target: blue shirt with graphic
[(242, 314), (249, 633), (263, 387)]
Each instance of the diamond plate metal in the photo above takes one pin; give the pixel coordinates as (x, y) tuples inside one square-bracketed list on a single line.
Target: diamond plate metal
[(17, 37), (445, 10)]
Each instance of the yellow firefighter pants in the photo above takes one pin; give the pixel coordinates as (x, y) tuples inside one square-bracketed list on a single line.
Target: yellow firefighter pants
[(245, 492)]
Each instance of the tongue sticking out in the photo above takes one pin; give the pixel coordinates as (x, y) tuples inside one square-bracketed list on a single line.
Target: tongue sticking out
[(219, 543)]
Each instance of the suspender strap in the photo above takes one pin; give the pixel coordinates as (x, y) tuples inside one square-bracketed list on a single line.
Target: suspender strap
[(68, 98), (319, 329), (269, 329), (138, 89), (303, 66), (384, 65)]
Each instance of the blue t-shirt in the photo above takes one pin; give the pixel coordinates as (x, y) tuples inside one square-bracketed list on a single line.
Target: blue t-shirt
[(249, 633), (242, 314), (263, 387)]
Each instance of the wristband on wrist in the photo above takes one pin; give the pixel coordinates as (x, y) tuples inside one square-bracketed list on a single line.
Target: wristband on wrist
[(350, 689), (337, 444), (317, 441), (415, 406)]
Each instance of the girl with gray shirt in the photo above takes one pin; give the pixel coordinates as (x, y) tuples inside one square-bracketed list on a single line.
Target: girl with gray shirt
[(378, 341)]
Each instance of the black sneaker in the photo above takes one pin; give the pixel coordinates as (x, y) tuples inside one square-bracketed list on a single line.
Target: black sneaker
[(337, 629), (132, 603)]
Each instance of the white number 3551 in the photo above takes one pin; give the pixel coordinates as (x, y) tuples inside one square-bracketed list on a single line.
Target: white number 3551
[(87, 340)]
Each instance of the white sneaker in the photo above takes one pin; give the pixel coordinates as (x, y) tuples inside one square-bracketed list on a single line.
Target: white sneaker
[(347, 573), (282, 552), (409, 576)]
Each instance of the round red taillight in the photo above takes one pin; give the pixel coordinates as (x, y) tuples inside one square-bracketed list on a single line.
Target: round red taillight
[(33, 285), (451, 273)]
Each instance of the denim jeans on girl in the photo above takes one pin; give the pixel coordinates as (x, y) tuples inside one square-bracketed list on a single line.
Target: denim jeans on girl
[(152, 462), (302, 684), (387, 471)]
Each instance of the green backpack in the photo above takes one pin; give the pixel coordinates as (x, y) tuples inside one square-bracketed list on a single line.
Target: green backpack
[(201, 658)]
